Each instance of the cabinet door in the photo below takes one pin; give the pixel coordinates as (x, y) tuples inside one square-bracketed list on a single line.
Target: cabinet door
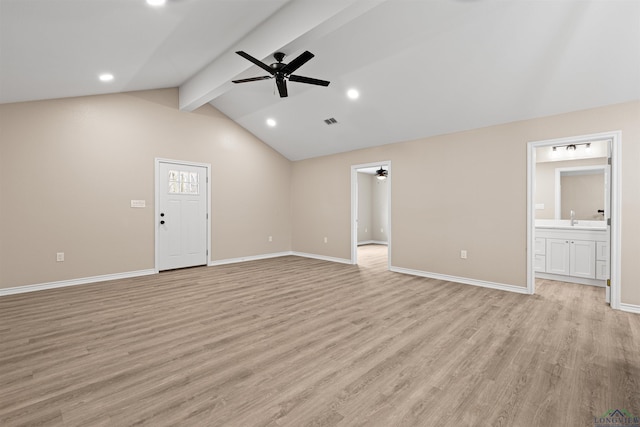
[(602, 251), (540, 246), (602, 260), (583, 259), (557, 257), (602, 270), (540, 264)]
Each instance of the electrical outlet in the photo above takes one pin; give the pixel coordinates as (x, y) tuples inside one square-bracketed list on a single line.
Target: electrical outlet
[(326, 240), (271, 238), (382, 230), (463, 254), (60, 256)]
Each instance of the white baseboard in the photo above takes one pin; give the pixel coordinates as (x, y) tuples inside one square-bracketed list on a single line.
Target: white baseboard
[(464, 280), (571, 279), (74, 282), (322, 257), (248, 258), (631, 308), (372, 242), (276, 255)]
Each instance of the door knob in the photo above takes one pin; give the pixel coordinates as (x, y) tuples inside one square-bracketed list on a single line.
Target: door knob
[(162, 214), (161, 222)]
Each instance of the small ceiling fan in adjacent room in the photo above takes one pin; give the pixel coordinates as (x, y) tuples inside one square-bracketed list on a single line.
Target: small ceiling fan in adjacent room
[(282, 72)]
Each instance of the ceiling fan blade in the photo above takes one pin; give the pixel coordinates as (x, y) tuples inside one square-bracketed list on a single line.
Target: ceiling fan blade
[(302, 79), (298, 62), (256, 61), (252, 79), (282, 86)]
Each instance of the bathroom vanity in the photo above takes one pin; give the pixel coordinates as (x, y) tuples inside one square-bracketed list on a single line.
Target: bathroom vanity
[(576, 253)]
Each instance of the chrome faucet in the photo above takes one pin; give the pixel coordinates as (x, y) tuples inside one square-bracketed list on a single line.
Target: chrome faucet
[(573, 218)]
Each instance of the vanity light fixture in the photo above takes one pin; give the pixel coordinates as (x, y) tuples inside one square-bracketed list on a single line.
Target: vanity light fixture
[(572, 147), (382, 174)]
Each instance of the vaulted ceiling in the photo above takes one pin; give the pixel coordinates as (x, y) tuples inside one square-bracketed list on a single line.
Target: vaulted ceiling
[(422, 67)]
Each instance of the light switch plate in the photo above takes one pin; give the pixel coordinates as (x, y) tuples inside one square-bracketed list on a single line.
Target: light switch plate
[(138, 203)]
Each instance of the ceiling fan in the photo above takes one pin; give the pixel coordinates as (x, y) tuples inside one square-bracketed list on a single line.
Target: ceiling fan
[(282, 72)]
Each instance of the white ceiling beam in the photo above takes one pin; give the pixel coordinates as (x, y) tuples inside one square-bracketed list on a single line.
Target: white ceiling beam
[(301, 20)]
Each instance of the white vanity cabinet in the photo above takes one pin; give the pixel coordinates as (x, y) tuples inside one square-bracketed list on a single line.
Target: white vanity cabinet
[(572, 255)]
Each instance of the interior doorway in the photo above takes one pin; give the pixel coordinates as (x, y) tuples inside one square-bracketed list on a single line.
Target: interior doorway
[(371, 208), (553, 251)]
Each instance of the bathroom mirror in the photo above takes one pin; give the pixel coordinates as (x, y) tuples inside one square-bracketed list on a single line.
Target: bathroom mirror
[(581, 190)]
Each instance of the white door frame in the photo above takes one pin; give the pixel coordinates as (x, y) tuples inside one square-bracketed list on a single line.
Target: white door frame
[(615, 214), (156, 214), (354, 208)]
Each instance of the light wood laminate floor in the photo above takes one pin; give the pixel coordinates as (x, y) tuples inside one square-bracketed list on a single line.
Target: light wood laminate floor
[(301, 342)]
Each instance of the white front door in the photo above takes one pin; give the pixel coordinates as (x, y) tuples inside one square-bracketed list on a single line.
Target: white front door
[(182, 215)]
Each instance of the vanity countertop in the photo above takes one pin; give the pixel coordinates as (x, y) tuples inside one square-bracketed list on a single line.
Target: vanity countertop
[(565, 224)]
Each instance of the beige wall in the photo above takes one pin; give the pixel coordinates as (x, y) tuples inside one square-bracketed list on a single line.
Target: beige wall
[(365, 196), (466, 190), (380, 209), (372, 209), (69, 168)]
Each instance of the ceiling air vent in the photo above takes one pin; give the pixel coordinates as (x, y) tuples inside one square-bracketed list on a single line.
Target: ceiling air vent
[(330, 121)]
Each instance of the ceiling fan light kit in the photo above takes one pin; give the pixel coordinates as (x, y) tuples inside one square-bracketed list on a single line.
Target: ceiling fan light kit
[(282, 72), (382, 174)]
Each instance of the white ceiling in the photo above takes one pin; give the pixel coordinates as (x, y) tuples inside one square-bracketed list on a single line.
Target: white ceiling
[(423, 67)]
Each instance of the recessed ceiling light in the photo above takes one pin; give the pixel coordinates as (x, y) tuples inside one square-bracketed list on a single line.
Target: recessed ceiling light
[(156, 3), (353, 94), (105, 77), (271, 122)]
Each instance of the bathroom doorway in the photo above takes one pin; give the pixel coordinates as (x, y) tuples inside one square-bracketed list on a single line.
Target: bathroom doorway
[(371, 209), (575, 237)]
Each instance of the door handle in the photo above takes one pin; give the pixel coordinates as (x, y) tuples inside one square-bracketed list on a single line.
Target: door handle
[(162, 222)]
